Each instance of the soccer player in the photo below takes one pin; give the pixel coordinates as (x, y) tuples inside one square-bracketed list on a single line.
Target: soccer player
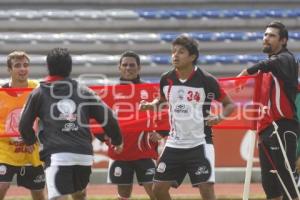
[(64, 108), (15, 158), (188, 91), (279, 75), (137, 157)]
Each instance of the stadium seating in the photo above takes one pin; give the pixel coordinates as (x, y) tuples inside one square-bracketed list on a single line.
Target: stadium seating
[(137, 37), (154, 59), (134, 14), (96, 32)]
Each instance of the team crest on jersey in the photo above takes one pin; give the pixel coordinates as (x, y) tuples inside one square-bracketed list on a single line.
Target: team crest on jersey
[(67, 108), (161, 168), (118, 171), (180, 94), (3, 169)]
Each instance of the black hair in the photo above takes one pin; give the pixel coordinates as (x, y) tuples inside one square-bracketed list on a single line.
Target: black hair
[(283, 32), (189, 43), (59, 62), (130, 54)]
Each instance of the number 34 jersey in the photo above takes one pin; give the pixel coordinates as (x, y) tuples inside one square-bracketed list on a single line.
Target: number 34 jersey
[(189, 104)]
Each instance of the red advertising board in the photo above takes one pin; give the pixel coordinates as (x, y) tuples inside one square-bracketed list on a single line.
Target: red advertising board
[(230, 137)]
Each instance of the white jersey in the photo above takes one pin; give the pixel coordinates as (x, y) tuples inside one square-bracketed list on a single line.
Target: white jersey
[(189, 103)]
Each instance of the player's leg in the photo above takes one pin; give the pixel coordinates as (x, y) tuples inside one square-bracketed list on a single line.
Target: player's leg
[(33, 178), (170, 172), (121, 173), (3, 189), (149, 190), (64, 180), (81, 178), (207, 191), (271, 158), (62, 197), (145, 169), (38, 194), (161, 190), (200, 163), (288, 133), (80, 195), (7, 173), (124, 191), (270, 182)]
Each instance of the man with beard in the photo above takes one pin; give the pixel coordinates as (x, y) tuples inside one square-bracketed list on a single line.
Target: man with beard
[(279, 76)]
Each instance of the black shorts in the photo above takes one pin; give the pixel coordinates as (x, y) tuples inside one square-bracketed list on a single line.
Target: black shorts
[(32, 178), (198, 162), (62, 180), (271, 157), (121, 172)]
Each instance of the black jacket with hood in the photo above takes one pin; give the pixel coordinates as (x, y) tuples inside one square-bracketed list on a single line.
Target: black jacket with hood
[(64, 109)]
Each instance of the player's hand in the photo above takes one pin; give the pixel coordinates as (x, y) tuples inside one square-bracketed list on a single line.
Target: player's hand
[(144, 105), (29, 148), (154, 136), (118, 148), (240, 83), (212, 120)]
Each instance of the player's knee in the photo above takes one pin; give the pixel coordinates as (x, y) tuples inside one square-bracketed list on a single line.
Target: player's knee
[(207, 191), (124, 192), (4, 187), (158, 191), (80, 195), (38, 195)]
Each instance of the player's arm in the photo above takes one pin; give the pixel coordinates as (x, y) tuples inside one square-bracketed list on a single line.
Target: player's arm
[(28, 117), (228, 105), (154, 105), (228, 108), (274, 65), (104, 115), (156, 136)]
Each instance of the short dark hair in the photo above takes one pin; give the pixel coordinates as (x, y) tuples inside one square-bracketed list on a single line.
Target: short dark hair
[(283, 32), (130, 54), (59, 62), (189, 43)]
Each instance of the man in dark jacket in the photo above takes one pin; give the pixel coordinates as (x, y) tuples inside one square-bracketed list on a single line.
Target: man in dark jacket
[(64, 108), (279, 79)]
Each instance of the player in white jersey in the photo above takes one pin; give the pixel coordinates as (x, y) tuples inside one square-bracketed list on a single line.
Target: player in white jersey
[(188, 91)]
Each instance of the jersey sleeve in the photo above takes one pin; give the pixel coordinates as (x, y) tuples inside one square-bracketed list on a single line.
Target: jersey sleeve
[(104, 116), (216, 88), (161, 87), (280, 65)]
